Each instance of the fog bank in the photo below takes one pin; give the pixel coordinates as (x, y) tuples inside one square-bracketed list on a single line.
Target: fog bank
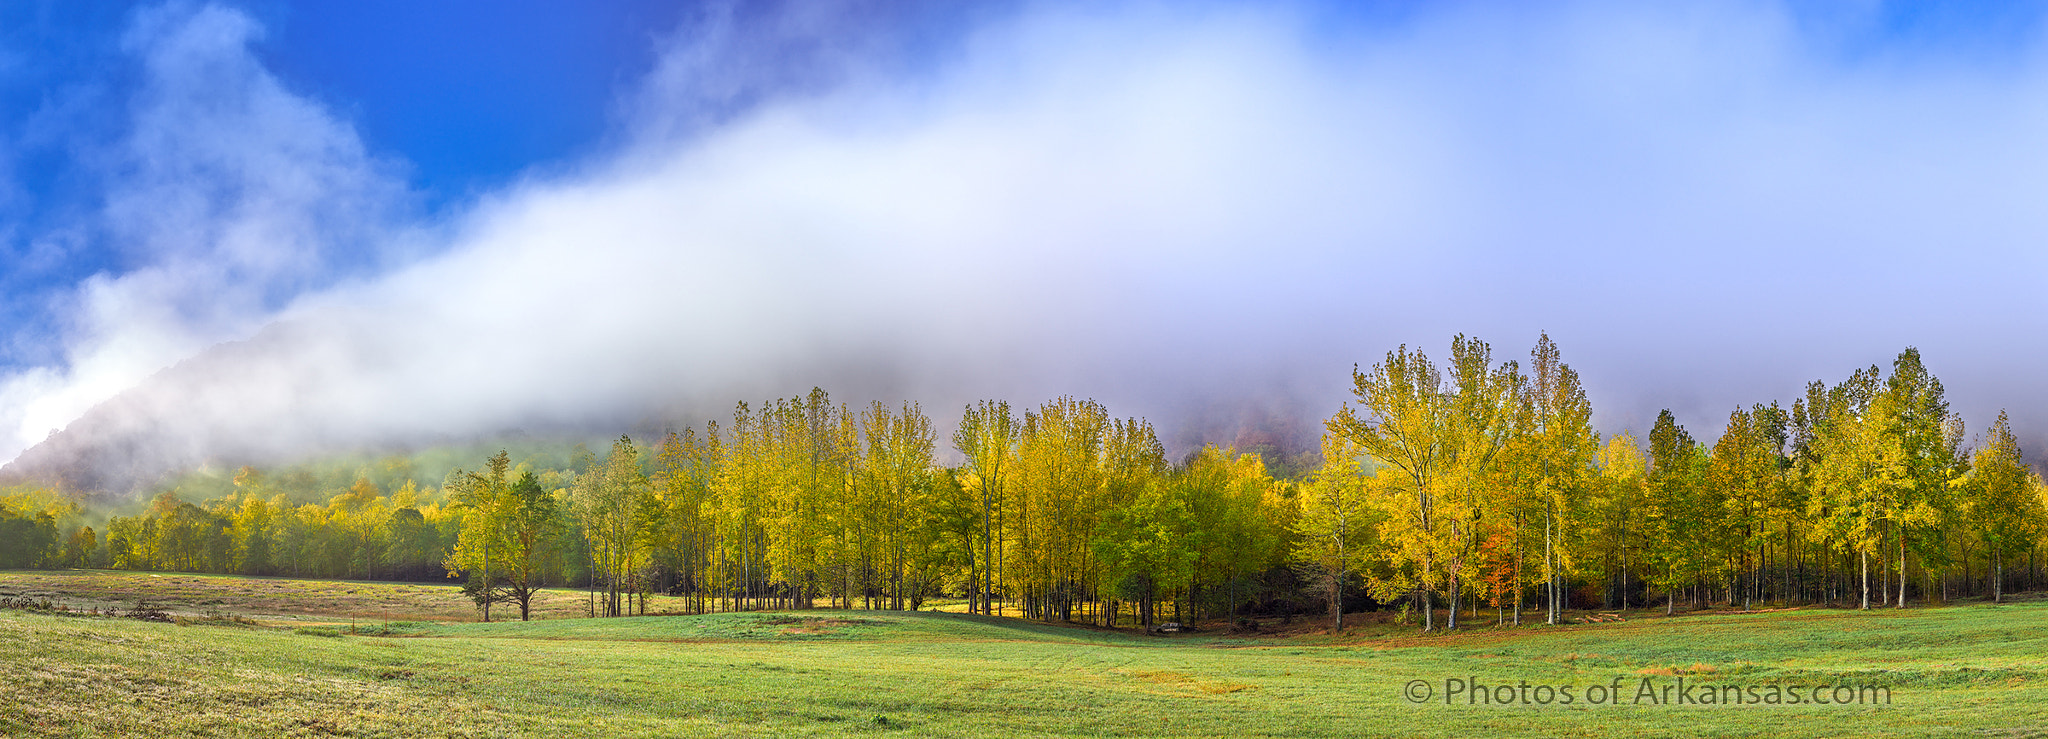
[(1201, 215)]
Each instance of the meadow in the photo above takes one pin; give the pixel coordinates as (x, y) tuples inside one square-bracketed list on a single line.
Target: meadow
[(271, 657)]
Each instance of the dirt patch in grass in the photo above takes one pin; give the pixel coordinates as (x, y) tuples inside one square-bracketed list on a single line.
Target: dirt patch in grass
[(1168, 682)]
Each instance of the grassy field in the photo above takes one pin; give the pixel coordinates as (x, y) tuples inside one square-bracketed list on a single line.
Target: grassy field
[(279, 598), (1966, 670)]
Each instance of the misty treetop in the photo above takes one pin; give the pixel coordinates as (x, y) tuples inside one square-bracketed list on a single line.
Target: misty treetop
[(1441, 487)]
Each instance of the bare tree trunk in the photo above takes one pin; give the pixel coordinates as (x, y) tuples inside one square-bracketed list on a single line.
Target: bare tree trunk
[(1521, 592), (1549, 575), (1998, 578), (1756, 574), (1795, 573), (1865, 557), (1902, 567), (1670, 593), (487, 579), (1336, 605), (1557, 595), (1451, 618)]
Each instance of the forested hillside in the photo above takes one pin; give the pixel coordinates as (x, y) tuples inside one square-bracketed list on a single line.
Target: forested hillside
[(1443, 487)]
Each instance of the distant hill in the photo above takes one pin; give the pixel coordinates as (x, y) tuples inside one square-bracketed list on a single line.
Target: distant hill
[(283, 397)]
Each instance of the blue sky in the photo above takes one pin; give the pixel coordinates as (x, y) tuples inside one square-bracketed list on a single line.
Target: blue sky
[(460, 97), (467, 93), (1706, 203)]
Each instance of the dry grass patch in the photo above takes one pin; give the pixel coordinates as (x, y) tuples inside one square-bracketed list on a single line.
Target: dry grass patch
[(1184, 684)]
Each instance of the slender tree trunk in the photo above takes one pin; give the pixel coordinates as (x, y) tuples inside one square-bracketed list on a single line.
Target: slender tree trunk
[(1865, 556), (1549, 575), (1451, 617), (1756, 575), (1336, 605), (1884, 572), (1428, 607), (1998, 578), (1796, 572), (1557, 595), (1902, 567), (1521, 592), (1670, 592), (487, 579)]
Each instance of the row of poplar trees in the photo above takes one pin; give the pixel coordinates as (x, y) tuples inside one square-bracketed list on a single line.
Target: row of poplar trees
[(1448, 486), (1061, 512), (1442, 488)]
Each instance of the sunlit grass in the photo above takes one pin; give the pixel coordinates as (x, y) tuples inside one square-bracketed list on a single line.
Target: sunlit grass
[(284, 598), (1968, 669)]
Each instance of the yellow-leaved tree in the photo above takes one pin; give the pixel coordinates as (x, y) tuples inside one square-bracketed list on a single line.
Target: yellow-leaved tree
[(1336, 528), (2003, 501), (1436, 443)]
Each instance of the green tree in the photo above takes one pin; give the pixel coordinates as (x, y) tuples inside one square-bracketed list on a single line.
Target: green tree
[(610, 504), (1859, 474), (1057, 503), (1239, 522), (1616, 510), (358, 517), (685, 469), (2004, 501), (82, 548), (532, 521), (1744, 470), (252, 534), (1336, 530), (1557, 463), (987, 437), (1929, 439), (482, 550), (900, 474), (415, 544), (1145, 548), (1675, 517)]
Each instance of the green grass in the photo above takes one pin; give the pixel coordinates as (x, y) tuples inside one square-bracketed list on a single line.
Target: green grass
[(1965, 670), (280, 598)]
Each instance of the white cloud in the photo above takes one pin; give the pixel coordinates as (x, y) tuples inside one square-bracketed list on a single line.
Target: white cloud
[(1151, 206), (228, 196)]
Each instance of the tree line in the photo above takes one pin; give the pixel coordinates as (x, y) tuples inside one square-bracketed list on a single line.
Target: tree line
[(1442, 488), (1482, 481)]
